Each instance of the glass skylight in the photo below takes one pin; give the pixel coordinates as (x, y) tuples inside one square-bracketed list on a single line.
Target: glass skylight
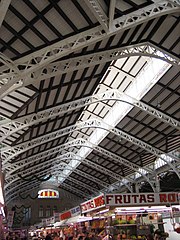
[(146, 79), (159, 162)]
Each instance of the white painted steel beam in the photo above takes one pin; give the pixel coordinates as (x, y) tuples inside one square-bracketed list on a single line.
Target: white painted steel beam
[(9, 153), (43, 57), (82, 142), (54, 171), (58, 161), (175, 2), (117, 185), (59, 165), (8, 65), (10, 196), (8, 127), (73, 180), (20, 185), (60, 67), (98, 12), (37, 164), (93, 123), (91, 178), (65, 66), (16, 182), (108, 172), (72, 156)]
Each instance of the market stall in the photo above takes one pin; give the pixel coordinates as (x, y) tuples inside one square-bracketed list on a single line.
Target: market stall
[(137, 215)]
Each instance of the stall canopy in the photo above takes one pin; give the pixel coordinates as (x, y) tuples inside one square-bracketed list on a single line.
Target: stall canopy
[(72, 220), (61, 223), (78, 219)]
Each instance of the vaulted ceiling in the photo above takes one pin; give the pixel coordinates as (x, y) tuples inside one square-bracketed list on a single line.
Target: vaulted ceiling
[(64, 65)]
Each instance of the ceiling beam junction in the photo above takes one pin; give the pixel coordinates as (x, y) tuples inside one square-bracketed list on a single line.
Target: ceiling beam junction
[(73, 180), (15, 193), (75, 190), (55, 161), (119, 184)]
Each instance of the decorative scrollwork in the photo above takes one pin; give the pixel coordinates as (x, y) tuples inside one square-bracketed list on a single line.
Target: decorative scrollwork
[(29, 178), (22, 206), (27, 196)]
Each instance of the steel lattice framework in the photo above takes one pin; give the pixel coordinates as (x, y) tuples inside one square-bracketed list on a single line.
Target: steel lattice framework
[(58, 161), (23, 186), (8, 127), (43, 57), (55, 170), (73, 180), (89, 60), (81, 142), (71, 156), (75, 190), (15, 192), (10, 153), (47, 63)]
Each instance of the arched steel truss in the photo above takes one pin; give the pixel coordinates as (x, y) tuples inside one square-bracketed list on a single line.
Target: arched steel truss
[(71, 188), (56, 162), (60, 67), (19, 186), (82, 142), (60, 165), (91, 123), (15, 188), (14, 193), (15, 183), (9, 127), (43, 57)]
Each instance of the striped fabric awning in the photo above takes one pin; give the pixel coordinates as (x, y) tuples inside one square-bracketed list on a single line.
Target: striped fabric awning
[(48, 193)]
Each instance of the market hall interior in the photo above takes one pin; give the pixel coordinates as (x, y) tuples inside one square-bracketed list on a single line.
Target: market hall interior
[(89, 119)]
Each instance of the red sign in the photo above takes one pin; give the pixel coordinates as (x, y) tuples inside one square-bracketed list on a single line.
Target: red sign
[(132, 199), (65, 215), (93, 204)]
